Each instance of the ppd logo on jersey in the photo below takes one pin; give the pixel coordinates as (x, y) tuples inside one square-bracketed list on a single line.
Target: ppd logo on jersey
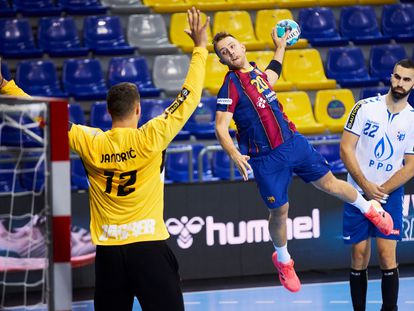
[(408, 218), (251, 231), (383, 151)]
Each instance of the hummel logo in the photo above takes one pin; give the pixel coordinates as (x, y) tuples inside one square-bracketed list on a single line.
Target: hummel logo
[(346, 237), (184, 228)]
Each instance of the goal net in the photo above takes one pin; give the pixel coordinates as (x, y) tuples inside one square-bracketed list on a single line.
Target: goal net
[(35, 265)]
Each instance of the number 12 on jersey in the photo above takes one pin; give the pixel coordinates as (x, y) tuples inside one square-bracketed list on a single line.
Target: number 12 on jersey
[(124, 189)]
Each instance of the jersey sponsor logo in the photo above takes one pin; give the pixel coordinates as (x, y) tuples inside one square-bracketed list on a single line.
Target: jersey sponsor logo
[(261, 103), (118, 157), (224, 101), (125, 231), (383, 151), (251, 231), (178, 101), (352, 116), (271, 96), (184, 229)]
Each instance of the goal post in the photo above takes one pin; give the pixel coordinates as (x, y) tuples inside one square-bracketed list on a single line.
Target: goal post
[(35, 130)]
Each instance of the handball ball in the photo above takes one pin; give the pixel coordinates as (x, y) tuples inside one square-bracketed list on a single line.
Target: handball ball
[(288, 24)]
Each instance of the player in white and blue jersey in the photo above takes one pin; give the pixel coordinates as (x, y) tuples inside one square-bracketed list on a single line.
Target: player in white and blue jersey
[(377, 148)]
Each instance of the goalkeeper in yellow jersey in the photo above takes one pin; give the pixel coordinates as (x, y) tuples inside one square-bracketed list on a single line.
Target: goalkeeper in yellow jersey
[(125, 171)]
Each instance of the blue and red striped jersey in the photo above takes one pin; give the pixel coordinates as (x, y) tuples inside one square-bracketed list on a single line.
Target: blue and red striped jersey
[(261, 123)]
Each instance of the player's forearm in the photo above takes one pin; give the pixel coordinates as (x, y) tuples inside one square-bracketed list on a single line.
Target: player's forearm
[(225, 140), (400, 177), (352, 166), (11, 88)]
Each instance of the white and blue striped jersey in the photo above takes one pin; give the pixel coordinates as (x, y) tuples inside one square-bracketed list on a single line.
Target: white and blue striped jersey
[(384, 138)]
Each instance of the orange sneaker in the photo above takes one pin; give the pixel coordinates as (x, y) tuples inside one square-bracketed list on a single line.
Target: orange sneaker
[(380, 218), (287, 274)]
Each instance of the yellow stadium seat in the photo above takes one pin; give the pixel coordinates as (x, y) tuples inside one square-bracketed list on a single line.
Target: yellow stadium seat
[(337, 2), (266, 20), (296, 3), (298, 108), (215, 74), (239, 24), (332, 108), (373, 2), (180, 38), (305, 69), (262, 59), (254, 4), (211, 5), (166, 6)]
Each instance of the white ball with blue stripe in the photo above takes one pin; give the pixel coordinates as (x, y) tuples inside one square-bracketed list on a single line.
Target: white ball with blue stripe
[(288, 24)]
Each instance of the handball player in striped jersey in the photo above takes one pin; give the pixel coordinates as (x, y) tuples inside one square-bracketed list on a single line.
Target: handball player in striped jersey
[(270, 145)]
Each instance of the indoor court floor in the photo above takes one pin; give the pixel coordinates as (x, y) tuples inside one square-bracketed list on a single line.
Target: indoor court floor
[(312, 296)]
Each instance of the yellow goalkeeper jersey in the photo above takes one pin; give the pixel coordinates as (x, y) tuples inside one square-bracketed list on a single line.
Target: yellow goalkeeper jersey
[(125, 165)]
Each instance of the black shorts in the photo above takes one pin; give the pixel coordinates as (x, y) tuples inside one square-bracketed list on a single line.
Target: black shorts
[(146, 270)]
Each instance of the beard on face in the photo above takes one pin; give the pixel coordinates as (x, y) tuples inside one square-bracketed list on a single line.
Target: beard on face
[(399, 95)]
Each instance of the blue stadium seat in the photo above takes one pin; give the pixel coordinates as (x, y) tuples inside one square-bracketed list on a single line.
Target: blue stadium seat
[(58, 36), (177, 164), (398, 22), (382, 60), (347, 66), (134, 70), (373, 91), (82, 7), (37, 7), (104, 35), (76, 114), (7, 10), (151, 108), (78, 177), (359, 24), (100, 117), (39, 78), (330, 152), (83, 79), (318, 25), (201, 122), (8, 176), (411, 99), (221, 166), (5, 72), (16, 39)]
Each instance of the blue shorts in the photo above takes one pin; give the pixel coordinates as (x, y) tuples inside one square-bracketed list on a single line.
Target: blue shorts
[(357, 228), (273, 172)]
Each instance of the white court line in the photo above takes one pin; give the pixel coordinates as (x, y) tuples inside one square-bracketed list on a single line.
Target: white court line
[(265, 301), (302, 301), (339, 301), (228, 302), (280, 286), (409, 301), (192, 302), (375, 301)]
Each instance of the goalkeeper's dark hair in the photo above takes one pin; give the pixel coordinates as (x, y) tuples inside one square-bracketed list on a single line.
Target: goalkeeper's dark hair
[(218, 37), (405, 63), (121, 99)]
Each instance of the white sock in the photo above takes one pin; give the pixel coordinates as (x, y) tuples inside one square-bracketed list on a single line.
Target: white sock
[(283, 255), (362, 204)]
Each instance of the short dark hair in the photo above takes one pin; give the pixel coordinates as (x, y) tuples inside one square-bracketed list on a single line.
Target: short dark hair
[(121, 99), (218, 37), (406, 63)]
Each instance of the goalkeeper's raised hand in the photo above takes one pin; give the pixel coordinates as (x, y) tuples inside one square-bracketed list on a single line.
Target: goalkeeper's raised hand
[(197, 31)]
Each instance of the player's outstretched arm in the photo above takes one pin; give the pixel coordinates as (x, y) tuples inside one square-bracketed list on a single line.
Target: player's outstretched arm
[(9, 87), (223, 119), (162, 130), (274, 69)]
